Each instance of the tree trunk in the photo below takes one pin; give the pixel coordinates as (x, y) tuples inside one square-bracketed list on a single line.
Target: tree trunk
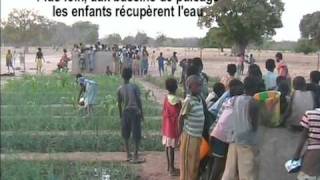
[(26, 49), (221, 49), (242, 48), (239, 48)]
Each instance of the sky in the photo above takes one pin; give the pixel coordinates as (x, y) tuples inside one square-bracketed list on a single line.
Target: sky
[(176, 27)]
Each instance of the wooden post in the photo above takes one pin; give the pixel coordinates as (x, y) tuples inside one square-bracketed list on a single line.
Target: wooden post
[(318, 61)]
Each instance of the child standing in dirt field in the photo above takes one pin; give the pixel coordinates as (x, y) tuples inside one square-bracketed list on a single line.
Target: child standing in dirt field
[(9, 57), (39, 60), (191, 122), (282, 68), (240, 66), (153, 58), (301, 100), (270, 78), (161, 60), (131, 115), (242, 152), (170, 114)]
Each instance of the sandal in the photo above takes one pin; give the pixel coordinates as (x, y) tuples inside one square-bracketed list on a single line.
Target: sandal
[(174, 172)]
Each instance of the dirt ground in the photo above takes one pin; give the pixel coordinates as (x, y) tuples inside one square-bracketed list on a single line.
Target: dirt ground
[(215, 62), (277, 145)]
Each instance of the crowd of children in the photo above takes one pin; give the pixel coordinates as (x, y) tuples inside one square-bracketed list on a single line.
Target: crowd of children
[(236, 112), (134, 57), (86, 55)]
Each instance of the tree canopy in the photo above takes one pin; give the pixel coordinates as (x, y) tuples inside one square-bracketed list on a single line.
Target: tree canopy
[(24, 26), (215, 39), (27, 28), (310, 27), (128, 40), (241, 22), (141, 38), (112, 39)]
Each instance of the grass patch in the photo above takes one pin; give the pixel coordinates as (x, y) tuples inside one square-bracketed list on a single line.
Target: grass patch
[(70, 123), (67, 110), (49, 103), (53, 170), (71, 142)]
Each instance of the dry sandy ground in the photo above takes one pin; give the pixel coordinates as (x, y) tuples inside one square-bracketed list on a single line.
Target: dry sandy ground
[(215, 62)]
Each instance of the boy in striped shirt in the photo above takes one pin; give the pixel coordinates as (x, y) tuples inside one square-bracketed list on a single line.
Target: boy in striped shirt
[(310, 135), (191, 122)]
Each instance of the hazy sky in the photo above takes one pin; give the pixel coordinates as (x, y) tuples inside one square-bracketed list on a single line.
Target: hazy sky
[(172, 27)]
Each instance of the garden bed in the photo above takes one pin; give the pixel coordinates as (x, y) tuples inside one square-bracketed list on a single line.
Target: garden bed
[(40, 114), (73, 142), (17, 169)]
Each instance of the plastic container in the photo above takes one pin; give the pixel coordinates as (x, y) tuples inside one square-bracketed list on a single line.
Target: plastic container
[(271, 101), (293, 166), (205, 149)]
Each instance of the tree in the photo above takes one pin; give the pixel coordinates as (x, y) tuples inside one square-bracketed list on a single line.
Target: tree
[(161, 38), (215, 39), (141, 38), (85, 32), (305, 46), (61, 34), (112, 39), (25, 27), (310, 27), (241, 22), (128, 40)]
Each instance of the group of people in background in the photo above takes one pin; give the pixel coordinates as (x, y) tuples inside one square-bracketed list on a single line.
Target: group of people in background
[(163, 64), (86, 56), (139, 60), (11, 58), (135, 58), (241, 60)]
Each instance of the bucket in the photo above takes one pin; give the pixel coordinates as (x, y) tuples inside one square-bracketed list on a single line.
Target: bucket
[(271, 102), (205, 149)]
